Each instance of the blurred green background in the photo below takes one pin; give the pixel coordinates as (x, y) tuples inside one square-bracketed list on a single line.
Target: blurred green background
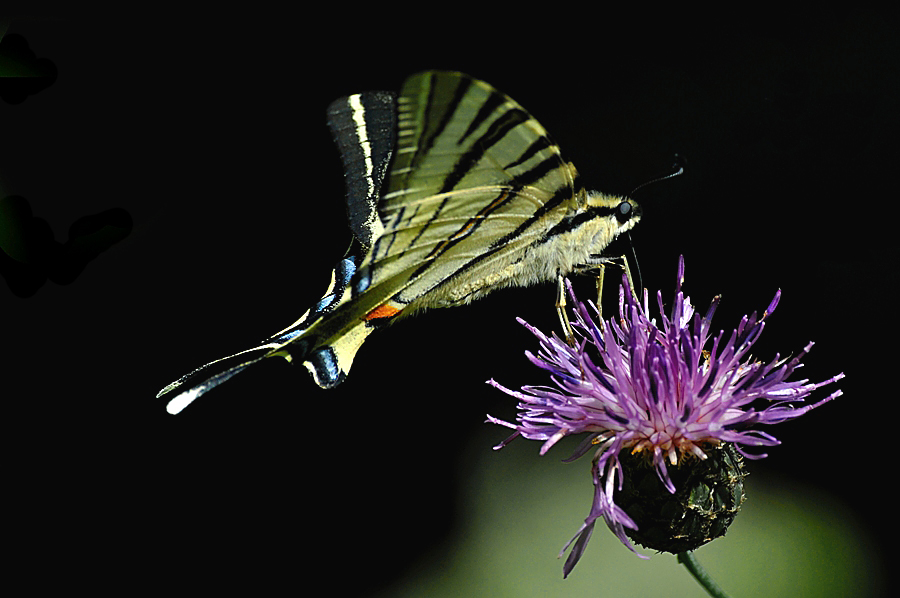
[(789, 540)]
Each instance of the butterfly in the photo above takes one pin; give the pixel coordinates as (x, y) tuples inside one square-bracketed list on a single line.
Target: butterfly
[(453, 190)]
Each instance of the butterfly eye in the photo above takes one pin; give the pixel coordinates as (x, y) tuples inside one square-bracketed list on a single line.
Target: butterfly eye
[(624, 211)]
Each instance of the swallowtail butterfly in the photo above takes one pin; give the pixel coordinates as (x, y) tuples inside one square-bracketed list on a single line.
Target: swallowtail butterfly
[(452, 190)]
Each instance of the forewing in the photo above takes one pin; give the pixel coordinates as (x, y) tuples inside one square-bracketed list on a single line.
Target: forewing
[(473, 175)]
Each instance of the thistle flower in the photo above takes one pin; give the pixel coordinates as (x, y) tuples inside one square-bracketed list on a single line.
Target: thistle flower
[(669, 416)]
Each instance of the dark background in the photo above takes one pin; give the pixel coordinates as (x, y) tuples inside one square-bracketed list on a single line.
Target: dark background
[(195, 152)]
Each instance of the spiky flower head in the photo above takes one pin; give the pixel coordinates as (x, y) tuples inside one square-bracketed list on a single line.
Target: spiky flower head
[(671, 399)]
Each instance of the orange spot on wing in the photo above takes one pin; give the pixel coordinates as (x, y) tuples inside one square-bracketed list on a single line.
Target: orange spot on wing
[(383, 311)]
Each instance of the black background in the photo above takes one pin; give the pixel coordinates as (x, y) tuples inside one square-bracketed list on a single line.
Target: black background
[(205, 139)]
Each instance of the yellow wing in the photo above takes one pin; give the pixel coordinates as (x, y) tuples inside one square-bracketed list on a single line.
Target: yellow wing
[(475, 181)]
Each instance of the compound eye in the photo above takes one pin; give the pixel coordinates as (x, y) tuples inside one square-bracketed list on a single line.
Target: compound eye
[(624, 211)]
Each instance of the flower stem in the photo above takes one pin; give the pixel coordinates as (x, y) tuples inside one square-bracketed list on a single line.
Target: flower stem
[(687, 559)]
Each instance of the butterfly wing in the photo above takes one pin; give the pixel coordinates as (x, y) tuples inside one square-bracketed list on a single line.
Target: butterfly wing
[(475, 181), (462, 201)]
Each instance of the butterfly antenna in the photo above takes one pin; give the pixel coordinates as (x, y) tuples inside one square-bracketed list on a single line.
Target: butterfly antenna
[(677, 169), (678, 165)]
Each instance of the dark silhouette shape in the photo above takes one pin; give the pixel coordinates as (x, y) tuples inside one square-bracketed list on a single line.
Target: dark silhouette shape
[(29, 255), (22, 73)]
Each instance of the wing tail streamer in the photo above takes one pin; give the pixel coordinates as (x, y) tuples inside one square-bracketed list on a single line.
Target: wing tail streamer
[(327, 353), (197, 383)]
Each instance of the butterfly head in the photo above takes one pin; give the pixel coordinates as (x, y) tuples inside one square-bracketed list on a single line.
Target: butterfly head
[(612, 215), (627, 212)]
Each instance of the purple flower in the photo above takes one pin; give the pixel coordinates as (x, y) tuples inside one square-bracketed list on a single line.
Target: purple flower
[(657, 391)]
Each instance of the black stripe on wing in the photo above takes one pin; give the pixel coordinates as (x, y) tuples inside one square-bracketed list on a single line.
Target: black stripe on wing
[(507, 117), (426, 143), (540, 144), (469, 227), (495, 133), (364, 129)]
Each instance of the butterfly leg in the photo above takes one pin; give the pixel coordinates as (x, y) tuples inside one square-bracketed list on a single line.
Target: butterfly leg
[(631, 286), (598, 280), (599, 271), (561, 310)]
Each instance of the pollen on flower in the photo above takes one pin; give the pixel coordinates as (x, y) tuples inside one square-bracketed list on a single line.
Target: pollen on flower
[(671, 409)]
